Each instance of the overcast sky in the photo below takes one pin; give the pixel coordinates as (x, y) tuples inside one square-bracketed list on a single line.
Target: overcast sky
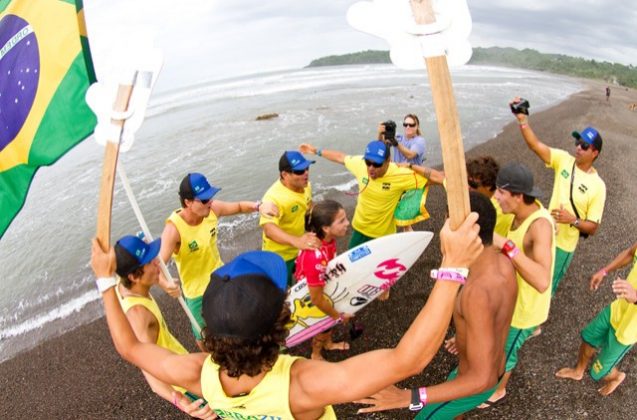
[(214, 39)]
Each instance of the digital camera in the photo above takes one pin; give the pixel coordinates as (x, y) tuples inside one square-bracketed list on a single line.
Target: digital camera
[(390, 132), (520, 107)]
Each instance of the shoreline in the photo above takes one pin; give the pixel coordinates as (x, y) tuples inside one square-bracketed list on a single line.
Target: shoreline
[(79, 374)]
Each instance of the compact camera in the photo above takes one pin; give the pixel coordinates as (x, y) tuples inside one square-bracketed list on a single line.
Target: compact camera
[(520, 107), (390, 132)]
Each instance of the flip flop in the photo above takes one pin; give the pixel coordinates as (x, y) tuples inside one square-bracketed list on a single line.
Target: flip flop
[(338, 346), (489, 404)]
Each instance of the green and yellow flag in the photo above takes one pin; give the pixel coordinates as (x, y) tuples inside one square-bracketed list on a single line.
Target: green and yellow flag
[(45, 70)]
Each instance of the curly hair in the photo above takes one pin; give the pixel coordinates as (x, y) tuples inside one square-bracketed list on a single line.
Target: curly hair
[(239, 356), (483, 169)]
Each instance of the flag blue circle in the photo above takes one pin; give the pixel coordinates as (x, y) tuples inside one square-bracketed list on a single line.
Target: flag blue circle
[(19, 75)]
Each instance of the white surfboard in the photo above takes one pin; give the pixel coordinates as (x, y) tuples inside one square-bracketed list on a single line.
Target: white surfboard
[(354, 279)]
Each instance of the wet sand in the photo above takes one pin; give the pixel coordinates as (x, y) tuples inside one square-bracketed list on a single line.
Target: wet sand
[(79, 375)]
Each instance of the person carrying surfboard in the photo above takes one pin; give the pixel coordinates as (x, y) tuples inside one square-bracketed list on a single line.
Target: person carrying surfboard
[(482, 317), (138, 271), (190, 238), (328, 220), (242, 374)]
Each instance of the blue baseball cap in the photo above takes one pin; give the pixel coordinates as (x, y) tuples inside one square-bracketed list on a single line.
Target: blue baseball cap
[(293, 161), (591, 136), (376, 151), (245, 297), (196, 186), (132, 252)]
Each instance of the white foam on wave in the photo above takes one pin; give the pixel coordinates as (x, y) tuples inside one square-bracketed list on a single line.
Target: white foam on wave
[(62, 311)]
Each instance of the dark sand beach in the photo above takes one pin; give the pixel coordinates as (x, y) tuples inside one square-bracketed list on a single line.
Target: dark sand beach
[(80, 376)]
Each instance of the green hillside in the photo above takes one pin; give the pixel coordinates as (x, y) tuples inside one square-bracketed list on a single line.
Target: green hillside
[(511, 57)]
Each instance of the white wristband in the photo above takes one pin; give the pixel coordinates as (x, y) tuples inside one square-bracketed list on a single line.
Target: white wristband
[(105, 283)]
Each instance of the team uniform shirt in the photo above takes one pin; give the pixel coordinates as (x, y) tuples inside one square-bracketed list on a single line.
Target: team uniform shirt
[(269, 399), (164, 338), (623, 314), (377, 198), (198, 255), (292, 208), (589, 196), (415, 144), (502, 221), (311, 263), (531, 306)]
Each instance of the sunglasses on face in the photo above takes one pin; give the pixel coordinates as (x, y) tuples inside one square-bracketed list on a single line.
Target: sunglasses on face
[(409, 125), (374, 164), (584, 146), (204, 202), (300, 171)]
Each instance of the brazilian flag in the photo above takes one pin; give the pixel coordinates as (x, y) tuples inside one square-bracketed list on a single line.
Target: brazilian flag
[(45, 70)]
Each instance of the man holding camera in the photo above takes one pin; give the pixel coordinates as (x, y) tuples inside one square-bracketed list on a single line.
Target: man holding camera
[(409, 148), (579, 193)]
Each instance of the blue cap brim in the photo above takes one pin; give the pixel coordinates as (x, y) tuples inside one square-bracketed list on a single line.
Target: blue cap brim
[(208, 194), (374, 158), (153, 251), (264, 263), (304, 165)]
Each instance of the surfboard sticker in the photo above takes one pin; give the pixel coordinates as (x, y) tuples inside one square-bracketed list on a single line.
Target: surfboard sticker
[(353, 280)]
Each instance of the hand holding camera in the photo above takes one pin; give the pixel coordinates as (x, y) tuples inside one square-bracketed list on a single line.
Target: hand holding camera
[(520, 106), (389, 132)]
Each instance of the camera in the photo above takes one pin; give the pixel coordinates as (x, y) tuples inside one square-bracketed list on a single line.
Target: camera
[(520, 107), (390, 132)]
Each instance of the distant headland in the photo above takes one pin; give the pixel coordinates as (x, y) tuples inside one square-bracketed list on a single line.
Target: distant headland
[(510, 57)]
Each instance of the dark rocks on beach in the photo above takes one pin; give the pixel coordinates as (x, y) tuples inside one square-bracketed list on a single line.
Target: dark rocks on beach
[(79, 375), (267, 116)]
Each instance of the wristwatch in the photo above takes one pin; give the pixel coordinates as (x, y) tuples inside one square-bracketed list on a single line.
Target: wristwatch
[(575, 223)]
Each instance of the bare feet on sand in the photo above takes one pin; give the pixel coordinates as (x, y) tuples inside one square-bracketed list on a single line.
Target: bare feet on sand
[(612, 384), (495, 398), (570, 373)]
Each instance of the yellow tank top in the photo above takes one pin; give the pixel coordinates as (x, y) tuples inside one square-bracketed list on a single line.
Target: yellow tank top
[(623, 314), (198, 255), (270, 399), (164, 339), (531, 306)]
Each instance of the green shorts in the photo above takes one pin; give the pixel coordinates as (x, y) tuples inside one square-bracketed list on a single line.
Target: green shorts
[(194, 305), (599, 333), (451, 409), (291, 266), (517, 337), (357, 239), (562, 261)]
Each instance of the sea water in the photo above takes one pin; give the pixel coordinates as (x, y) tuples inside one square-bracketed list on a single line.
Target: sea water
[(46, 286)]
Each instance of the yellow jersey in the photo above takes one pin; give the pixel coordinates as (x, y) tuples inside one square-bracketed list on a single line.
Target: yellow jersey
[(198, 255), (378, 198), (623, 314), (531, 306), (292, 208), (589, 196), (269, 399)]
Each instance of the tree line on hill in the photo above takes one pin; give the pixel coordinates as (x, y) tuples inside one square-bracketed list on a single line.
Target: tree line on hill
[(510, 57)]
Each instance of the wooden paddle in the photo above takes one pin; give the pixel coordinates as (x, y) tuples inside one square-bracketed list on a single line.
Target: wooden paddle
[(111, 154), (448, 123)]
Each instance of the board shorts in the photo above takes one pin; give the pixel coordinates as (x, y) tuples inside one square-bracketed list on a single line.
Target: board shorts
[(562, 261), (291, 266), (194, 305), (357, 239), (600, 334), (453, 408), (516, 338)]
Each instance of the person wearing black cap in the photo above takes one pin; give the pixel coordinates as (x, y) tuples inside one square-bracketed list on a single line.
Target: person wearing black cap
[(243, 375), (530, 245), (579, 193), (292, 194), (381, 184), (190, 237), (138, 271)]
